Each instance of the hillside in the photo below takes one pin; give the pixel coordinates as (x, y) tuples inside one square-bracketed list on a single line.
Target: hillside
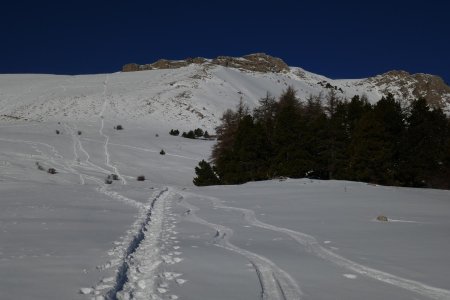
[(76, 233), (197, 91)]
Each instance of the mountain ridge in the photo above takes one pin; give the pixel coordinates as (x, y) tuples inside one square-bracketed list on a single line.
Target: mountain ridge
[(197, 91), (431, 87)]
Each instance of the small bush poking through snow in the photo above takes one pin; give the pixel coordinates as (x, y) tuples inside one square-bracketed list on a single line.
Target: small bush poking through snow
[(175, 132), (162, 152), (198, 132), (57, 131), (382, 218), (189, 135), (51, 171), (79, 132), (141, 178), (39, 166), (118, 127), (114, 176), (109, 178)]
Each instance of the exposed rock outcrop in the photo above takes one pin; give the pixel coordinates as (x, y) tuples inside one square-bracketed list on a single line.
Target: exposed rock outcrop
[(258, 62), (130, 68), (431, 87)]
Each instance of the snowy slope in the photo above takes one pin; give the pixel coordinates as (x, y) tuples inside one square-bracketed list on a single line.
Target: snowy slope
[(194, 94), (72, 236)]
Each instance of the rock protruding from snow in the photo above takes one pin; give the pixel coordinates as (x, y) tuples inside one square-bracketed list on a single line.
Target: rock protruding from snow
[(410, 86), (257, 62)]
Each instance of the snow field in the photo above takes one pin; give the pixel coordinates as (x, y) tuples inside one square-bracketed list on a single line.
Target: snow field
[(71, 235)]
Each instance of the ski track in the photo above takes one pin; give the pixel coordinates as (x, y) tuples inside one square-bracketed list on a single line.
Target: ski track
[(146, 150), (76, 157), (276, 284), (56, 159), (313, 246), (87, 161), (102, 112), (135, 278)]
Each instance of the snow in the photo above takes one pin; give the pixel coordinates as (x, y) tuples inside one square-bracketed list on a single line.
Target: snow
[(195, 94), (71, 236)]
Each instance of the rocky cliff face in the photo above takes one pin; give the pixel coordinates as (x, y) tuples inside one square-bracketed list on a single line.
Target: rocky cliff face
[(419, 85), (258, 62)]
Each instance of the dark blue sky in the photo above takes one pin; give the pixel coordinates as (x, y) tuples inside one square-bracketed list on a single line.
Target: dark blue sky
[(339, 39)]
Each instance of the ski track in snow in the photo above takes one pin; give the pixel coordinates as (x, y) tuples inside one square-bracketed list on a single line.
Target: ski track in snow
[(276, 284), (55, 159), (107, 155), (313, 246), (147, 150)]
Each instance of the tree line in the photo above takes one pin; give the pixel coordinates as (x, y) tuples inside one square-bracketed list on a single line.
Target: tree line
[(331, 138)]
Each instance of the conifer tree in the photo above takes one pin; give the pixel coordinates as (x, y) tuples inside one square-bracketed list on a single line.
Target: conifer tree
[(291, 158), (425, 148), (205, 175)]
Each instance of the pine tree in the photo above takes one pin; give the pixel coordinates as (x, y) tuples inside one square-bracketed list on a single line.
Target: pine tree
[(205, 175), (425, 148), (370, 151), (198, 132), (290, 157), (226, 131), (338, 139)]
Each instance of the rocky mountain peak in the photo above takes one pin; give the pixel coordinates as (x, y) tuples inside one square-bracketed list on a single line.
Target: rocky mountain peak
[(257, 62), (431, 87)]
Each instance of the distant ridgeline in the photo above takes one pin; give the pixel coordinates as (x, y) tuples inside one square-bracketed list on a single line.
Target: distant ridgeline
[(400, 83), (257, 62), (382, 143)]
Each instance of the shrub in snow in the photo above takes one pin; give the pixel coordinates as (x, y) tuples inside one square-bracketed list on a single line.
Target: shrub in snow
[(79, 132), (57, 131), (162, 152), (189, 135), (175, 132), (198, 132), (114, 176), (51, 171), (141, 178), (157, 135), (382, 218), (108, 180), (39, 166), (118, 127)]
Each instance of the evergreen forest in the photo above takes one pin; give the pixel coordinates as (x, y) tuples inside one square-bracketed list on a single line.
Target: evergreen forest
[(327, 137)]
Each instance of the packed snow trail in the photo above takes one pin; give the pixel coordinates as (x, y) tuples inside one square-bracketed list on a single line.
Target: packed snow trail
[(136, 275), (107, 155), (313, 246), (276, 284)]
